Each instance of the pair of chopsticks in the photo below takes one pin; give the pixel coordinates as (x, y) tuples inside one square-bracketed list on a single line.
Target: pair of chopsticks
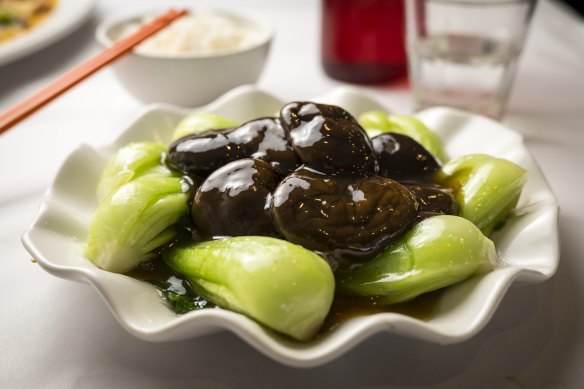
[(74, 76)]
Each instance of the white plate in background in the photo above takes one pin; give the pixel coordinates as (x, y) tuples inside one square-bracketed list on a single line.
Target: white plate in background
[(527, 245), (64, 19)]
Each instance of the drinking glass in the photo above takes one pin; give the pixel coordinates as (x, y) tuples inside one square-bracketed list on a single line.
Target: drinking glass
[(464, 53)]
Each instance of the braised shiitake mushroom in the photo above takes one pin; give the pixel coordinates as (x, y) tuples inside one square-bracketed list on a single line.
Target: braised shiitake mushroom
[(328, 139), (200, 154), (345, 199), (354, 217), (232, 200), (402, 158), (278, 216), (434, 199)]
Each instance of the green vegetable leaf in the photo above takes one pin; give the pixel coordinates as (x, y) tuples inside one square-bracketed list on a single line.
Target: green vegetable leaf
[(201, 122), (487, 188), (130, 162), (135, 219), (279, 284), (6, 17), (179, 295)]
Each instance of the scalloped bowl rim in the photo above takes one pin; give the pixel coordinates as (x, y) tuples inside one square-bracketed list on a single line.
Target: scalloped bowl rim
[(527, 245)]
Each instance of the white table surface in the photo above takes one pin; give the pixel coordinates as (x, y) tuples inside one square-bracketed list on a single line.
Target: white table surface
[(58, 334)]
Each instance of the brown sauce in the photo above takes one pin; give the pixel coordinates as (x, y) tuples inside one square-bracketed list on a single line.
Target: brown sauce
[(334, 197), (153, 270), (343, 308)]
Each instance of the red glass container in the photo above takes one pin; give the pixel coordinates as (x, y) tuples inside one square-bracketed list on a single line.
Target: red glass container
[(363, 40)]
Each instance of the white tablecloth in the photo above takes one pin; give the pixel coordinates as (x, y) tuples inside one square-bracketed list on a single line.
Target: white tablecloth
[(58, 334)]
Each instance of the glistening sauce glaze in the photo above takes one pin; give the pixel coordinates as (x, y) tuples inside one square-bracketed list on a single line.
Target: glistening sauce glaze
[(313, 177), (343, 309)]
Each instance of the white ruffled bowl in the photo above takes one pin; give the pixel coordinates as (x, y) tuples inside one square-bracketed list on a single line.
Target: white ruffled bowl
[(527, 245)]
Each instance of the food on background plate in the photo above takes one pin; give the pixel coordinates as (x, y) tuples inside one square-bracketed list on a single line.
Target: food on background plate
[(202, 33), (279, 217), (19, 16)]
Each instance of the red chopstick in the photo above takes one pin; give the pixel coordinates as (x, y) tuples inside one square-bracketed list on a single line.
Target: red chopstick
[(84, 70)]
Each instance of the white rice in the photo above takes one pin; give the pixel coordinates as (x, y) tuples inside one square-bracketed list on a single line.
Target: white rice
[(203, 33)]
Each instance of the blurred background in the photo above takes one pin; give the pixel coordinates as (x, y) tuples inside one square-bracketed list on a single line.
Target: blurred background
[(57, 334)]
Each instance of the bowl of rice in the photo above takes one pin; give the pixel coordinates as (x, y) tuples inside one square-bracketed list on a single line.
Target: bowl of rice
[(195, 59)]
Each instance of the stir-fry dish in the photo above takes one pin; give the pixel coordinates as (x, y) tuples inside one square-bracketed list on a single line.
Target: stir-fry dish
[(18, 16), (280, 218)]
